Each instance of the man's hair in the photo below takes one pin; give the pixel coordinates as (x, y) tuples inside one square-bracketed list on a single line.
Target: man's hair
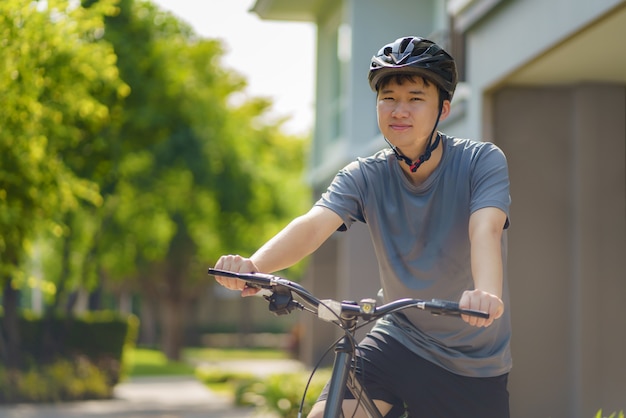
[(401, 78)]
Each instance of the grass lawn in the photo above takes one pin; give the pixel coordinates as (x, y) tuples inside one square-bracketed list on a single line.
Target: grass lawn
[(220, 354), (150, 362)]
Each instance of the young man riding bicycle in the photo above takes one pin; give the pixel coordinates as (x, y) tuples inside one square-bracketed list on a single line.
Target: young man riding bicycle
[(437, 210)]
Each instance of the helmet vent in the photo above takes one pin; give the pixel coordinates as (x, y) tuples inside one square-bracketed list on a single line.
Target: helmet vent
[(404, 44)]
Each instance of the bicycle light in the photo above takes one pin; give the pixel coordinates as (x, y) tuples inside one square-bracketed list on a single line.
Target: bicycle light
[(368, 306)]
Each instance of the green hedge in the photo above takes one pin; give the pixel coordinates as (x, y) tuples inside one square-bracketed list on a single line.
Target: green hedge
[(67, 358), (98, 336), (62, 380)]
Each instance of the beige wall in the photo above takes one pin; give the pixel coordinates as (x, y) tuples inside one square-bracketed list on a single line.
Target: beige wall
[(344, 268), (321, 280), (567, 254)]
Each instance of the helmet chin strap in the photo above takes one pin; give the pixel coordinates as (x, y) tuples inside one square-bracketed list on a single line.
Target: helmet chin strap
[(430, 147)]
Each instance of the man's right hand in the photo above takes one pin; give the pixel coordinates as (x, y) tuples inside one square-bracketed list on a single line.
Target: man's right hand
[(236, 264)]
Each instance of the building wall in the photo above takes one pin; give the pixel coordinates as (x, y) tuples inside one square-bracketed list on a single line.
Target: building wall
[(514, 34), (367, 26), (568, 233), (321, 280), (565, 147)]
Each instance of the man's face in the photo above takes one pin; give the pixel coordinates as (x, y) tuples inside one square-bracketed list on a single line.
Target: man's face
[(407, 112)]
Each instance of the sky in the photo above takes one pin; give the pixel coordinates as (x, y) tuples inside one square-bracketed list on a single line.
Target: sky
[(276, 58)]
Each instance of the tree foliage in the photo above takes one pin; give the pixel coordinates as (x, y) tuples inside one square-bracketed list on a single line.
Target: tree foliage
[(52, 76), (123, 157), (209, 178)]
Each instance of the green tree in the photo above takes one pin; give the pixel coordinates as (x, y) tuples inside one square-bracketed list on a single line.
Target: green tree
[(122, 155), (207, 178), (52, 75)]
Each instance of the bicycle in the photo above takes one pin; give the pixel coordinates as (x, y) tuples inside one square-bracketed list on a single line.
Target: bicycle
[(279, 292)]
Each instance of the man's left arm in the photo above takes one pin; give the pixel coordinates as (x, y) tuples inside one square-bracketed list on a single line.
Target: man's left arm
[(485, 233)]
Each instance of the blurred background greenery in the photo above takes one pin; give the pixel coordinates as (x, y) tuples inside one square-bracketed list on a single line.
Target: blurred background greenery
[(129, 161)]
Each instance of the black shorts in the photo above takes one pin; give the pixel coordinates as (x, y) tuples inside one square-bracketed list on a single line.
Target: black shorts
[(392, 373)]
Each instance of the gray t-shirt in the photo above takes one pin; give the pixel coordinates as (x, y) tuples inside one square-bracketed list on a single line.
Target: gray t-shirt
[(420, 235)]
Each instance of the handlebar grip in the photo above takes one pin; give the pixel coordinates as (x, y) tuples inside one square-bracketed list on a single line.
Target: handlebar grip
[(445, 307), (258, 280), (473, 312)]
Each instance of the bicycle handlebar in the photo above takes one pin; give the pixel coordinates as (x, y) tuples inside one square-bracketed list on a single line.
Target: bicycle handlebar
[(329, 310)]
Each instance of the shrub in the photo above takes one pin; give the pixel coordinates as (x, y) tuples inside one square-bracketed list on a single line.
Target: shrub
[(102, 337), (613, 415), (282, 393), (221, 380), (59, 381), (67, 358), (278, 393)]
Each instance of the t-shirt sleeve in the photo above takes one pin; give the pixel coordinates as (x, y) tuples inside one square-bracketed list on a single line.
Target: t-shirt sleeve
[(490, 180), (344, 196)]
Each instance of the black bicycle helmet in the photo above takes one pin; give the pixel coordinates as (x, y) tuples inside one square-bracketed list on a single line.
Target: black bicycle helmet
[(415, 55)]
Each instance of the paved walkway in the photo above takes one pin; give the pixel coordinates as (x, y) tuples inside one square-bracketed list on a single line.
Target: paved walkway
[(156, 397)]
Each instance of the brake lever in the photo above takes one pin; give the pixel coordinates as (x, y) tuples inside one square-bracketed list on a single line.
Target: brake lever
[(281, 301)]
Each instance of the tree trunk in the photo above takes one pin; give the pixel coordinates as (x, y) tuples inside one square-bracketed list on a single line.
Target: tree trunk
[(174, 299), (10, 334), (63, 277), (148, 320), (173, 317), (95, 297)]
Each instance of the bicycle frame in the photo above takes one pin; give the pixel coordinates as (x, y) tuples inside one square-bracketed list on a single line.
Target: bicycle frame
[(342, 378)]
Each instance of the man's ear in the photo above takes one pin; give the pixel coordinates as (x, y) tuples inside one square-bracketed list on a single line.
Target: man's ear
[(445, 110)]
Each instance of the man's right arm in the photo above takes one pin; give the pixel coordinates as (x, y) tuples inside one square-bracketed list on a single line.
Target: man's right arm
[(300, 238)]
